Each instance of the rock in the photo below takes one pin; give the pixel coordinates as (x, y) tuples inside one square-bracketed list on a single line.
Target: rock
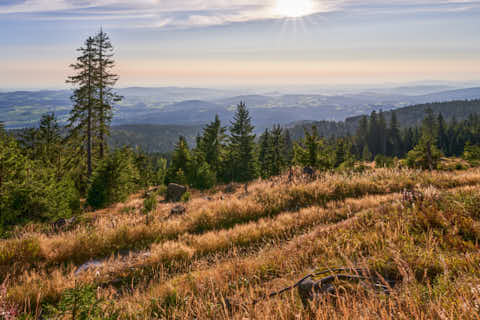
[(177, 210), (309, 171), (89, 265), (62, 224), (59, 224), (309, 289), (230, 188), (175, 192)]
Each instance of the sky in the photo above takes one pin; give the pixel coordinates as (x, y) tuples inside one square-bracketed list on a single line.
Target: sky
[(223, 43)]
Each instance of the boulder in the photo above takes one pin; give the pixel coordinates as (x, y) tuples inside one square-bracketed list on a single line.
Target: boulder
[(309, 171), (59, 224), (177, 210), (231, 188), (175, 192)]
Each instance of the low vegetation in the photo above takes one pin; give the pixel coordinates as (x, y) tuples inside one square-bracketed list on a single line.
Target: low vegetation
[(418, 228)]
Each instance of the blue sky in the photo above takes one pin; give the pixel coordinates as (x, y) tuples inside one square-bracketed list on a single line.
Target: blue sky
[(244, 42)]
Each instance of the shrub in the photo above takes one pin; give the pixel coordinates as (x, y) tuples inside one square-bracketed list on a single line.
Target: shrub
[(31, 191), (205, 178), (382, 161), (186, 197), (115, 178), (425, 155)]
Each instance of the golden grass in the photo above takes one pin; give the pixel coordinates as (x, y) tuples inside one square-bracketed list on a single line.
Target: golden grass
[(129, 232), (250, 244)]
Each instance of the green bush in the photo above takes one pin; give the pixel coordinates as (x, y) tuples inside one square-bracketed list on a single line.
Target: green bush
[(186, 197), (425, 155), (116, 178), (79, 303), (382, 161), (29, 191), (471, 153), (205, 178)]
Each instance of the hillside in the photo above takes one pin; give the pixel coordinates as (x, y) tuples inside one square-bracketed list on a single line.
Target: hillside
[(417, 231), (194, 106), (407, 117), (152, 138)]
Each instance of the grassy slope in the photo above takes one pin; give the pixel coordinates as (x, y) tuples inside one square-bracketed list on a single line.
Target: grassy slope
[(249, 244)]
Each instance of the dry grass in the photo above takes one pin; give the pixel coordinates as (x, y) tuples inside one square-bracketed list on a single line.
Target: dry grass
[(249, 244)]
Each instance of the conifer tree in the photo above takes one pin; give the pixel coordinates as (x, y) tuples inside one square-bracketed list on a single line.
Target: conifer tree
[(50, 144), (105, 79), (394, 137), (181, 162), (242, 146), (82, 116), (265, 155), (288, 148), (278, 162), (212, 144)]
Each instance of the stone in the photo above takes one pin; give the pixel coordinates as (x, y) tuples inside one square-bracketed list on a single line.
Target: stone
[(230, 188), (309, 171), (177, 210), (175, 192), (60, 223)]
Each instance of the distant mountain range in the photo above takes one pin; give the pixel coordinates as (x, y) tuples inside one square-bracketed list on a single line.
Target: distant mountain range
[(196, 106)]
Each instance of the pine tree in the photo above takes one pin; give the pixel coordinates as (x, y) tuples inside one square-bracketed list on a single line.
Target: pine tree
[(105, 79), (278, 162), (288, 148), (394, 137), (242, 146), (50, 144), (212, 144), (82, 116), (181, 162), (265, 155), (382, 133), (442, 138)]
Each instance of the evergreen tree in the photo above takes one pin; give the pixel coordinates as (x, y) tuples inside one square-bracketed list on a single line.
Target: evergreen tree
[(382, 133), (105, 79), (442, 138), (181, 162), (82, 116), (394, 144), (288, 148), (278, 162), (50, 144), (212, 144), (242, 146), (265, 155)]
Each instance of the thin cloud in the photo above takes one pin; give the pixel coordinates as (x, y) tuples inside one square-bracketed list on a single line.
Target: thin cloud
[(192, 13)]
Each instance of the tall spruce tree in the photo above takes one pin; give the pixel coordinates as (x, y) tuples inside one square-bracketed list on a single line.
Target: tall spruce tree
[(105, 79), (212, 144), (288, 148), (82, 116), (242, 146), (278, 161), (265, 155)]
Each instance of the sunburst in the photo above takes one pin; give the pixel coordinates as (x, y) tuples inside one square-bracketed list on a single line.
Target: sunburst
[(293, 8)]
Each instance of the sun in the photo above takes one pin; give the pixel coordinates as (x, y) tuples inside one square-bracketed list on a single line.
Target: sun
[(294, 8)]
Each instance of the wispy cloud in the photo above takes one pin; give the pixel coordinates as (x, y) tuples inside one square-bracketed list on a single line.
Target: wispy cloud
[(191, 13)]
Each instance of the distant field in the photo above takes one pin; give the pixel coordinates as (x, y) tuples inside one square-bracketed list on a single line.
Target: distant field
[(420, 230)]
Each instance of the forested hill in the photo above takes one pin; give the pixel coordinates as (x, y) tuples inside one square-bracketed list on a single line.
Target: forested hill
[(153, 138), (413, 115), (407, 117)]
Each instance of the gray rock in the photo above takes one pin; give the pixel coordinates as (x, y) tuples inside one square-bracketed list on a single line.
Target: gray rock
[(231, 188), (89, 265), (309, 171), (175, 192), (177, 210)]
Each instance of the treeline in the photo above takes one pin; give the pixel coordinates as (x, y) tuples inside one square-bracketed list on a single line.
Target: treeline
[(240, 157)]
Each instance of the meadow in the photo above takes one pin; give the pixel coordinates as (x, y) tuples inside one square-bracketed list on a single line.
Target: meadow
[(418, 229)]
